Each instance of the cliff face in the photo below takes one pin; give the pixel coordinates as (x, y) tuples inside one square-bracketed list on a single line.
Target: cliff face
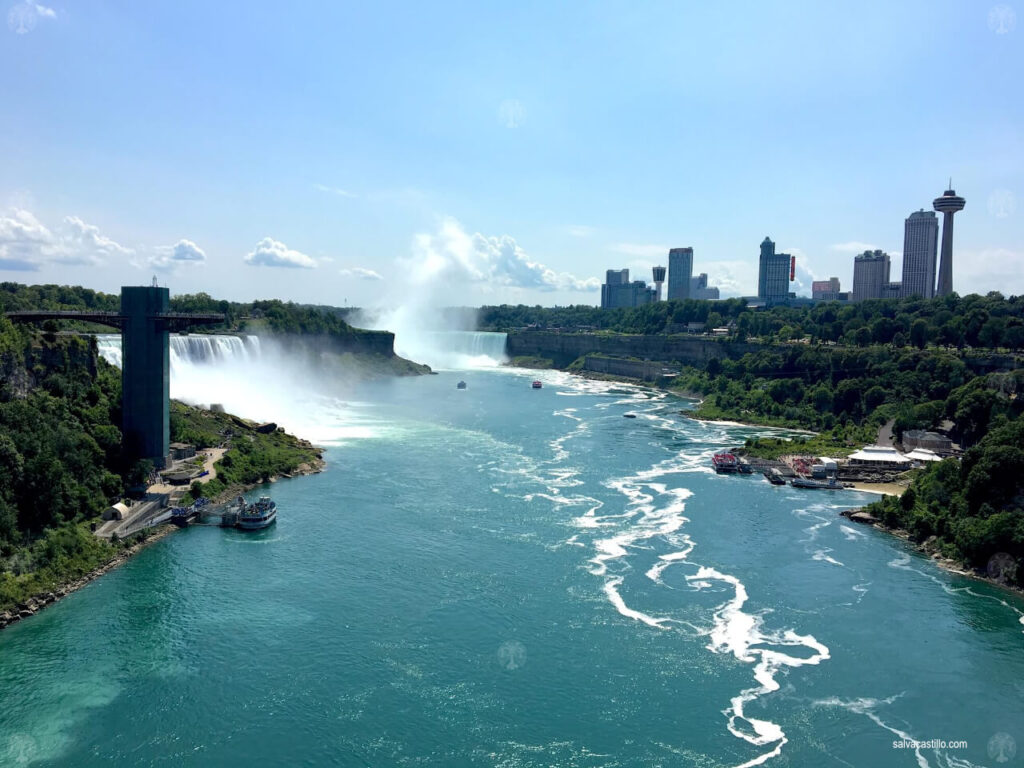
[(365, 342), (564, 348), (18, 369)]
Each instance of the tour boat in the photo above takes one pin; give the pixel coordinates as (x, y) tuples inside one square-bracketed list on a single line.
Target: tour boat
[(774, 476), (253, 517), (461, 385), (536, 384), (724, 462), (629, 415), (803, 482)]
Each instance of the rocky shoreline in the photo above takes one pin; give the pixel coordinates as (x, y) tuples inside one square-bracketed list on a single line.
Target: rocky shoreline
[(41, 600), (37, 602), (864, 517)]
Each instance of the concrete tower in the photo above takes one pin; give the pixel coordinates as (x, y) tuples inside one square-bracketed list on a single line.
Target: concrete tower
[(659, 279), (145, 372), (947, 205)]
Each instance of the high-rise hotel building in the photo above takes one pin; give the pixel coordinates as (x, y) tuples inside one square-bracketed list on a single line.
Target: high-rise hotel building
[(680, 270), (870, 275), (920, 247), (773, 274)]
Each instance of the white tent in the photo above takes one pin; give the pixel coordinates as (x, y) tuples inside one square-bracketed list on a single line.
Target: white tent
[(878, 454), (923, 454)]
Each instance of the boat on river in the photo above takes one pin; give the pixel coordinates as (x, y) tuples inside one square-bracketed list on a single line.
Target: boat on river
[(253, 517), (461, 385), (831, 484), (774, 476), (536, 385), (725, 463)]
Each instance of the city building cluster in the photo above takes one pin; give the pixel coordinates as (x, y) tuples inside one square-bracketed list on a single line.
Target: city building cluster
[(619, 291), (871, 270)]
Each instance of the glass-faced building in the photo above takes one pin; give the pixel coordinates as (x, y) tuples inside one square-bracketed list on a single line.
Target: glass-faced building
[(920, 247), (680, 270)]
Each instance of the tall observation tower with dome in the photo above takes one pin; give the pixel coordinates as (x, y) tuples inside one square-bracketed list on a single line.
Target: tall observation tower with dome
[(947, 205)]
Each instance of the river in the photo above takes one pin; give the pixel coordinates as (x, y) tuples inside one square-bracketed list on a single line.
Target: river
[(517, 577)]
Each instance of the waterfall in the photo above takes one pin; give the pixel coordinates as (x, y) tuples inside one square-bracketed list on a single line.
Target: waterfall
[(191, 350), (453, 349)]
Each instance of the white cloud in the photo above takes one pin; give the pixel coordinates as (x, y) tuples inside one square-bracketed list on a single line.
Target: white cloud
[(991, 269), (273, 253), (335, 191), (854, 246), (452, 254), (642, 250), (82, 243), (360, 272), (182, 252), (22, 238), (26, 244)]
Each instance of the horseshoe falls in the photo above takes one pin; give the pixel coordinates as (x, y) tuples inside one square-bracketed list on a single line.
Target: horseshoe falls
[(508, 576)]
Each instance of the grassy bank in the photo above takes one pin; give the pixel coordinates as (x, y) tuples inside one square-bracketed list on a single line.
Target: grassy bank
[(253, 456)]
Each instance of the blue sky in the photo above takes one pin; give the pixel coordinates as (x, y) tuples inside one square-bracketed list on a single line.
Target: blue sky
[(485, 152)]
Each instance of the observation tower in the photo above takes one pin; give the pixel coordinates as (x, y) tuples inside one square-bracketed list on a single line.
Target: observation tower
[(947, 205)]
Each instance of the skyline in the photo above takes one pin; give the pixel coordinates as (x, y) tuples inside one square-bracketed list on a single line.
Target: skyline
[(485, 155)]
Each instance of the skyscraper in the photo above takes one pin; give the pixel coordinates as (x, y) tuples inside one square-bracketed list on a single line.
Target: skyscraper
[(947, 205), (920, 242), (618, 291), (699, 288), (773, 274), (870, 275), (680, 270)]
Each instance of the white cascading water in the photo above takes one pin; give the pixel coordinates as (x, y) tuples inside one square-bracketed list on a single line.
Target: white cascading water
[(454, 349), (254, 379)]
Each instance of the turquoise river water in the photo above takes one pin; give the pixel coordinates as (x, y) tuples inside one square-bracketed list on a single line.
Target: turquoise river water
[(504, 576)]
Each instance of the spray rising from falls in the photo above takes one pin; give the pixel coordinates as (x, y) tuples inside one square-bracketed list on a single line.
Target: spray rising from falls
[(256, 379), (427, 335)]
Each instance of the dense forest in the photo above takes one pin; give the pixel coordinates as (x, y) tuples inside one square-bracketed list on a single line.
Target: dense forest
[(990, 321), (275, 315), (970, 510)]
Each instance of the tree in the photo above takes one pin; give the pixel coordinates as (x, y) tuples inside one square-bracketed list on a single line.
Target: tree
[(919, 333)]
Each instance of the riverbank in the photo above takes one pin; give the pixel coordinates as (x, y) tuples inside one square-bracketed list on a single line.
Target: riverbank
[(36, 602), (862, 517)]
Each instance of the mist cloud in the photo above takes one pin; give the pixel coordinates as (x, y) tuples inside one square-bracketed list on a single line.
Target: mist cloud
[(453, 254)]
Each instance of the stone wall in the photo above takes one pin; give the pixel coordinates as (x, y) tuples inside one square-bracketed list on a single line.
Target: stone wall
[(563, 348), (618, 366)]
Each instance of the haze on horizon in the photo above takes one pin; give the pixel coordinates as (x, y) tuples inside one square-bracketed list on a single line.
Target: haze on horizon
[(484, 154)]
